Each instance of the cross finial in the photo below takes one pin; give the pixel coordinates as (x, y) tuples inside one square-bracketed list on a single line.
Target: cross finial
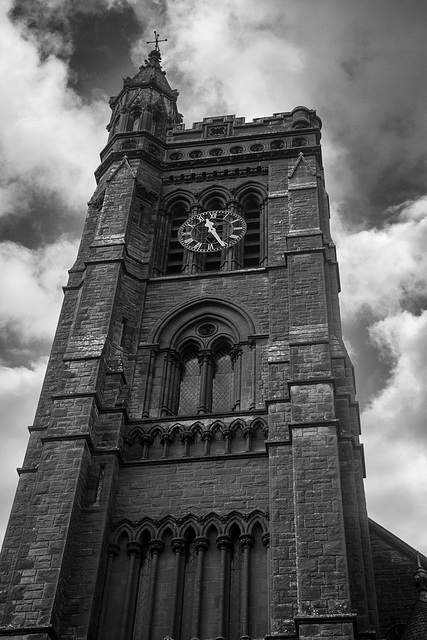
[(156, 41)]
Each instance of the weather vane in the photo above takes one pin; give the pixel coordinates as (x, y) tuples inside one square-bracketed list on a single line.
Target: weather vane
[(156, 41)]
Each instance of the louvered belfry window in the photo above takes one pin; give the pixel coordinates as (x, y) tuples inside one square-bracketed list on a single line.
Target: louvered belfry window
[(176, 250), (252, 239)]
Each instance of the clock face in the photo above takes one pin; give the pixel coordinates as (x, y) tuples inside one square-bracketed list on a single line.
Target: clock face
[(212, 231)]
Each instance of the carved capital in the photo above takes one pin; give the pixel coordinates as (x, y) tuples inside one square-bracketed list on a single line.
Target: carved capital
[(113, 550), (223, 542), (201, 543), (247, 432), (178, 545), (246, 541), (166, 438), (205, 356), (228, 433), (266, 540), (207, 435), (187, 436), (156, 547), (134, 548), (235, 353)]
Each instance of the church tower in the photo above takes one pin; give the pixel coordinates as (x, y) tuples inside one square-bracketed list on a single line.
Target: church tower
[(194, 469)]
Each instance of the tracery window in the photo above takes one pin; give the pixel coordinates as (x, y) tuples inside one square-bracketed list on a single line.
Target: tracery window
[(202, 360), (198, 380)]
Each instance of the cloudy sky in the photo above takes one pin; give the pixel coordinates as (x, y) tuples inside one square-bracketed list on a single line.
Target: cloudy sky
[(361, 65)]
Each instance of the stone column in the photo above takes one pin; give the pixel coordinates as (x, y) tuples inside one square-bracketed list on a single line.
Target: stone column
[(113, 552), (246, 543), (224, 544), (201, 544), (155, 547), (178, 547), (134, 552)]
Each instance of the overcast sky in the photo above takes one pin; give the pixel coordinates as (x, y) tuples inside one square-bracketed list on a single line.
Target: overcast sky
[(361, 65)]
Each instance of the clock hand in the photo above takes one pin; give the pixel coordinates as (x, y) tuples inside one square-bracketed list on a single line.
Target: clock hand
[(211, 228)]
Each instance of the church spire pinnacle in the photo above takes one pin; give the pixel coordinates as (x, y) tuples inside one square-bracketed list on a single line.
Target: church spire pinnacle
[(156, 41), (421, 579)]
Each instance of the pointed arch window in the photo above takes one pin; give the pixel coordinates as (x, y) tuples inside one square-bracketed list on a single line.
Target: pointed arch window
[(133, 120), (158, 126)]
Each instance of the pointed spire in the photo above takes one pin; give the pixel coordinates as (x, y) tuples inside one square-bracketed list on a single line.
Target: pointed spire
[(154, 57), (416, 626), (420, 578)]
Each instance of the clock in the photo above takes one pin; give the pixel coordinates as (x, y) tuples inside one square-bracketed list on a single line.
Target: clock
[(212, 231)]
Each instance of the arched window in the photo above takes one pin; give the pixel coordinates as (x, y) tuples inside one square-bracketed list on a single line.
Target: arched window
[(158, 126), (133, 120)]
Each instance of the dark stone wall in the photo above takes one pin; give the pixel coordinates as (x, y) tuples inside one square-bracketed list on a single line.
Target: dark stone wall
[(395, 564)]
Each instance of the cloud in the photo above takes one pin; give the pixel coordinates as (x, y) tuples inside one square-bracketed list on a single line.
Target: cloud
[(384, 283), (48, 137), (30, 288), (384, 270), (350, 61), (400, 409), (394, 427), (19, 391)]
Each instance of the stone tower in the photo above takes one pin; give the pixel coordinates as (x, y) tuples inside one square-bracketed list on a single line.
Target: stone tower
[(194, 469)]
